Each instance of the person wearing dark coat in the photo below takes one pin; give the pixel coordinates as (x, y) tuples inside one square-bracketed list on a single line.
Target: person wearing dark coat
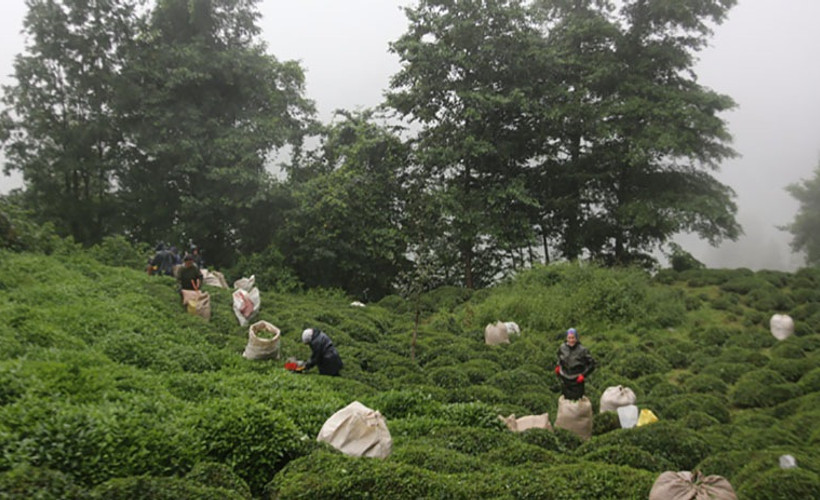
[(190, 277), (323, 352), (575, 363)]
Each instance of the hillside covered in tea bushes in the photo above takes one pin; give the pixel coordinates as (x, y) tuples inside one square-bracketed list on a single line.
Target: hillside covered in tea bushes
[(108, 390)]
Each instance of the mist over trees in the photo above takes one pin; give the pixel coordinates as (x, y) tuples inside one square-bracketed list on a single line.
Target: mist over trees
[(543, 130), (805, 228)]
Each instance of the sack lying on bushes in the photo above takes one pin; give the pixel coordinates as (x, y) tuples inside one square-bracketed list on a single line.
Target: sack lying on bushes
[(259, 346), (647, 417), (197, 303), (781, 326), (615, 397), (214, 278), (245, 304), (358, 431), (522, 424), (512, 328), (246, 284), (628, 416), (575, 416), (687, 486), (496, 333)]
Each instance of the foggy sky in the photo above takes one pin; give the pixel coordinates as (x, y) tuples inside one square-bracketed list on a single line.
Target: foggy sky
[(765, 56)]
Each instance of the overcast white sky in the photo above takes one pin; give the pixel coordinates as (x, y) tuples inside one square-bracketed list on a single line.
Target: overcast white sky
[(765, 56)]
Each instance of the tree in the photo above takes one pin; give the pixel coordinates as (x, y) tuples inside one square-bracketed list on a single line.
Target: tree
[(466, 77), (641, 150), (636, 160), (58, 128), (204, 105), (805, 228), (346, 229)]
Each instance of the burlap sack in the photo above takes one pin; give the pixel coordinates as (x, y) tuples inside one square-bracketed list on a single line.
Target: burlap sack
[(781, 326), (616, 396), (522, 424), (575, 416), (245, 304), (197, 303), (496, 333), (687, 486), (358, 431), (214, 278), (262, 348)]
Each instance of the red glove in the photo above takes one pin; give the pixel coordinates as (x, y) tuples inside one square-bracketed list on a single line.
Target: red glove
[(580, 379), (558, 370)]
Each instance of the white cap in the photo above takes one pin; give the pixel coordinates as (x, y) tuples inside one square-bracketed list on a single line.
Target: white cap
[(307, 335)]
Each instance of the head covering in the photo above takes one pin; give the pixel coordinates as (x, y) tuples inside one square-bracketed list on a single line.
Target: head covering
[(572, 331), (188, 257), (307, 335)]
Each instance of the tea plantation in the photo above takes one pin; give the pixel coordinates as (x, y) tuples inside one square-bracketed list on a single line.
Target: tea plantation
[(108, 390)]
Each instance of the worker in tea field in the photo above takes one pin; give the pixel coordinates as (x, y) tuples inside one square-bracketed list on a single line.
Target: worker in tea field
[(575, 363), (323, 353), (190, 277)]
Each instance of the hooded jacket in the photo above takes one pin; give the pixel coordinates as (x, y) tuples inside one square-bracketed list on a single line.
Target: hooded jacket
[(323, 354), (575, 360)]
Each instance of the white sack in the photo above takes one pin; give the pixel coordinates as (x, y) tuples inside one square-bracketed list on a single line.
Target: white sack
[(245, 283), (245, 304), (527, 422), (261, 347), (628, 416), (616, 396), (781, 326), (512, 328), (214, 278), (358, 431), (496, 333), (787, 462)]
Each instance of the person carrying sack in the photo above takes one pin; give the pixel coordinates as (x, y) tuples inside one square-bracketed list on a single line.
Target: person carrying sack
[(190, 277), (575, 363)]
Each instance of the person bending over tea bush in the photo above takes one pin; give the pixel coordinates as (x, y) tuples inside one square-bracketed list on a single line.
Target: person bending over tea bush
[(323, 352), (575, 363)]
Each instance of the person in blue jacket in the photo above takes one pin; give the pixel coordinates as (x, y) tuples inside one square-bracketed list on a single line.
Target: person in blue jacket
[(323, 352)]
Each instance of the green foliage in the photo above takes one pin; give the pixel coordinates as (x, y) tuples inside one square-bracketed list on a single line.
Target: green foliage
[(269, 269), (706, 383), (677, 407), (27, 482), (605, 422), (805, 227), (636, 364), (762, 388), (681, 447), (782, 484), (630, 456), (160, 488), (217, 475)]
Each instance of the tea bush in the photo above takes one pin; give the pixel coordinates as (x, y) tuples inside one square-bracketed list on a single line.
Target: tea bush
[(682, 447), (705, 383), (677, 407), (27, 482), (781, 484), (630, 456), (217, 475), (762, 388), (159, 488)]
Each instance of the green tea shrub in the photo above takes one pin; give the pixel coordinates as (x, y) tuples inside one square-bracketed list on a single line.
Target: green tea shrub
[(753, 418), (160, 488), (762, 388), (479, 370), (605, 422), (119, 252), (448, 377), (519, 453), (702, 383), (769, 299), (403, 403), (270, 269), (792, 369), (727, 372), (781, 484), (752, 338), (469, 440), (476, 393), (682, 447), (743, 284), (254, 439), (27, 482), (678, 353), (665, 308), (698, 420), (516, 379), (677, 407), (217, 475), (809, 382), (637, 364), (734, 354), (330, 475), (630, 456), (788, 349), (471, 415), (578, 481), (435, 459), (713, 335)]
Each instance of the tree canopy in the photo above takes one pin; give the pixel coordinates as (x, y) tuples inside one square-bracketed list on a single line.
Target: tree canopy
[(805, 228)]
